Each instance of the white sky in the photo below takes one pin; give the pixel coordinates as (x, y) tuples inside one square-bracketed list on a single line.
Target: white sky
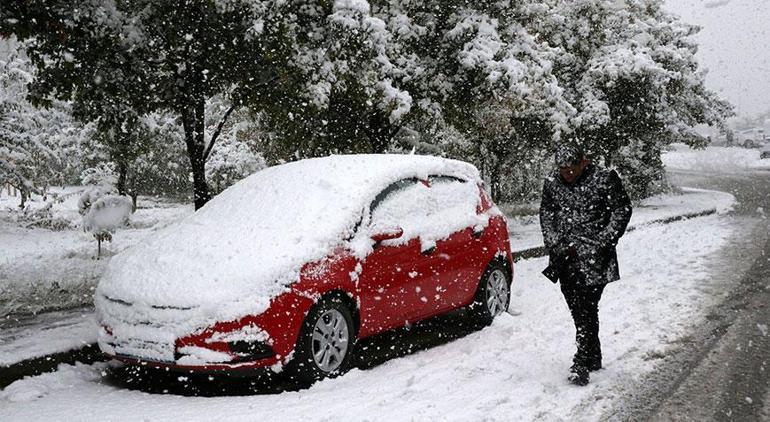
[(734, 47)]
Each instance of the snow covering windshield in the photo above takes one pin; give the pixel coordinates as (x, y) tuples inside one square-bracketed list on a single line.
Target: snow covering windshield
[(249, 243)]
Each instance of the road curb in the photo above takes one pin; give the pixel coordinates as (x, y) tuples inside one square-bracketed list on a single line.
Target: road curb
[(90, 353)]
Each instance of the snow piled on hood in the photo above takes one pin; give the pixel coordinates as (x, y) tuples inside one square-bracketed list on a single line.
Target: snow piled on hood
[(248, 244)]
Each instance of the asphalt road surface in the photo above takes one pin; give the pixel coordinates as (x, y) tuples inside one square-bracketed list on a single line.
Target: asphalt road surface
[(721, 371)]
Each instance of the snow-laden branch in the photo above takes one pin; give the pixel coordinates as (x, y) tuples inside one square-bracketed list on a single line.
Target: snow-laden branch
[(215, 135)]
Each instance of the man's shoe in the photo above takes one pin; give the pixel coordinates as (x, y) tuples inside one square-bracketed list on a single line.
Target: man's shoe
[(578, 375)]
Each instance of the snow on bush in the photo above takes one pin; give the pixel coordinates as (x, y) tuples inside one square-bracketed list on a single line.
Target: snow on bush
[(47, 216), (230, 161), (88, 197), (103, 216), (103, 174), (107, 214)]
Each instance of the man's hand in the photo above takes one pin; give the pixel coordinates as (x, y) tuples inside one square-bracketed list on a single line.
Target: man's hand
[(562, 248)]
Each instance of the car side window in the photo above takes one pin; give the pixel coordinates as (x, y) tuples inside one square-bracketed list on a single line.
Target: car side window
[(454, 199), (430, 211), (390, 190), (444, 179), (398, 204)]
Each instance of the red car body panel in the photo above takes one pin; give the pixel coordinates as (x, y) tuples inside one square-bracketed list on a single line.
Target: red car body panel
[(393, 286)]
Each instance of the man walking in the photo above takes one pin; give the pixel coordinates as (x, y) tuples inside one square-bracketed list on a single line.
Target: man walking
[(583, 213)]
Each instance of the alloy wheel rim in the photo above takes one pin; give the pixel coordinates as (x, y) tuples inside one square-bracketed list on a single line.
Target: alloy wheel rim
[(497, 293), (330, 340)]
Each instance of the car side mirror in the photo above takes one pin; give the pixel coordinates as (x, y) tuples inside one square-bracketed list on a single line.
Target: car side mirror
[(393, 233)]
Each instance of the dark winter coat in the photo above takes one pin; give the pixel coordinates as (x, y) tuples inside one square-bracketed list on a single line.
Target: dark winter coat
[(582, 224)]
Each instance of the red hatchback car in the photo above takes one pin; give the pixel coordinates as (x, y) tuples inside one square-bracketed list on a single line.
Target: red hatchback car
[(289, 267)]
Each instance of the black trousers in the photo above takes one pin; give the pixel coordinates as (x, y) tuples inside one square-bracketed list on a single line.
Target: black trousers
[(583, 302)]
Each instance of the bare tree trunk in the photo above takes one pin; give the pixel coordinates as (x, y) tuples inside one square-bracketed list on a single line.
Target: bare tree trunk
[(193, 123), (23, 193), (122, 176), (380, 133), (134, 195), (494, 179)]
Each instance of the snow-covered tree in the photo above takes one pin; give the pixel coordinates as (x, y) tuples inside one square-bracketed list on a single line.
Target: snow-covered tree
[(372, 73), (37, 144), (238, 152), (512, 79), (154, 55), (333, 94), (102, 175), (628, 67), (154, 164), (476, 68)]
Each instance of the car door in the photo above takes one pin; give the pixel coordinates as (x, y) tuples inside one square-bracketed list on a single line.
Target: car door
[(391, 281), (456, 255)]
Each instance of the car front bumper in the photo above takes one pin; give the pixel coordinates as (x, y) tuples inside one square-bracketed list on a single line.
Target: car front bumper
[(262, 341)]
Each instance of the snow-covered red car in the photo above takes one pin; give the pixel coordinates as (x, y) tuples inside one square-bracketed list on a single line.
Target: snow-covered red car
[(289, 267)]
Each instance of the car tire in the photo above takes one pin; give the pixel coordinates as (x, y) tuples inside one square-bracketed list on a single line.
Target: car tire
[(493, 294), (328, 328)]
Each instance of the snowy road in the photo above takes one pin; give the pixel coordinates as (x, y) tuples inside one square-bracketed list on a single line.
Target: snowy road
[(514, 370), (724, 371)]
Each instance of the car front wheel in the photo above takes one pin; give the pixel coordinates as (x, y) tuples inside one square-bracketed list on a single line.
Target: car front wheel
[(325, 343), (493, 294)]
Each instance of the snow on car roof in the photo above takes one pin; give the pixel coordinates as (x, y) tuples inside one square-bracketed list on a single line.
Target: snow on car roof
[(249, 243)]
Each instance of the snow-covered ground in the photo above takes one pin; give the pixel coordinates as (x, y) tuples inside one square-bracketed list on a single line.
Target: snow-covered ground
[(43, 269), (513, 370), (715, 159), (46, 334)]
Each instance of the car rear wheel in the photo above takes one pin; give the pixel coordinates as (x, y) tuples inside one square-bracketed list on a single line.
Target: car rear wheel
[(325, 343), (493, 294)]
